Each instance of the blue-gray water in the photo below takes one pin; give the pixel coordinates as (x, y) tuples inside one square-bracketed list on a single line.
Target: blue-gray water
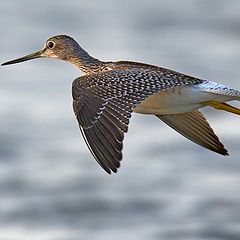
[(167, 187)]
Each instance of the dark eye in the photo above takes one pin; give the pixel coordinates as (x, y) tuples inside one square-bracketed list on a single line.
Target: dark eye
[(50, 44)]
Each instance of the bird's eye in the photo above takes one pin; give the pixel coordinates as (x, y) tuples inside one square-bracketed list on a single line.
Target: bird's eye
[(50, 44)]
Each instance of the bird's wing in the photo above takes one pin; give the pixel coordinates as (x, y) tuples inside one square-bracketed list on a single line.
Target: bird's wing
[(194, 126), (103, 104)]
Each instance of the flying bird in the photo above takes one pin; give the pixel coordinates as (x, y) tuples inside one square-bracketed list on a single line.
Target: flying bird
[(108, 92)]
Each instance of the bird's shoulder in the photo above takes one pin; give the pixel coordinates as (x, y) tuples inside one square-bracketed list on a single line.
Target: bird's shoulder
[(126, 73)]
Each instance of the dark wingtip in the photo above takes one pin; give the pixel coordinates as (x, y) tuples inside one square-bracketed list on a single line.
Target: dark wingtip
[(110, 170), (224, 152)]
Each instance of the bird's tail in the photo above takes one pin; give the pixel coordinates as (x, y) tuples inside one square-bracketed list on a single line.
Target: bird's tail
[(222, 106)]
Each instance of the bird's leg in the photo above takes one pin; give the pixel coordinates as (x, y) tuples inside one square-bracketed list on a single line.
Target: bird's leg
[(222, 106)]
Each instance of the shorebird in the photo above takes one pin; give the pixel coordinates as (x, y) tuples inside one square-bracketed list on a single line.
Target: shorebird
[(108, 92)]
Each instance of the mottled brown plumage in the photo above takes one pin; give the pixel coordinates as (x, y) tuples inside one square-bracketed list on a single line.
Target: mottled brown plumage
[(105, 97)]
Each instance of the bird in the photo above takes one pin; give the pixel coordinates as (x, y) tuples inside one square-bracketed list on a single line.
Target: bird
[(107, 93)]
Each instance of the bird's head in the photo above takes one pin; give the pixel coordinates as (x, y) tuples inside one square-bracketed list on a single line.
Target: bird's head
[(60, 47)]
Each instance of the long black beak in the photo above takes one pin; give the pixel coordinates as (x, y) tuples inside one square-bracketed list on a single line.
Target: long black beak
[(25, 58)]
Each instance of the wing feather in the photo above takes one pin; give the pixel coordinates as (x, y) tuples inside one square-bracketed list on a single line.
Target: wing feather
[(103, 103), (194, 126)]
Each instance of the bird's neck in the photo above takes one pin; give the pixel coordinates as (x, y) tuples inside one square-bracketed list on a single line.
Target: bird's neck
[(86, 63)]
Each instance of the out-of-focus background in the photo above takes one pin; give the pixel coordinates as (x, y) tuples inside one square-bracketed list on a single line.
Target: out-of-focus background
[(167, 188)]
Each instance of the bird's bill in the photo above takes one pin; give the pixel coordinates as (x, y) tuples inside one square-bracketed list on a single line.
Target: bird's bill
[(25, 58)]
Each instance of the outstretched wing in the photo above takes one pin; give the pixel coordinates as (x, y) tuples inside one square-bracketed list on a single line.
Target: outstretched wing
[(194, 126), (103, 104)]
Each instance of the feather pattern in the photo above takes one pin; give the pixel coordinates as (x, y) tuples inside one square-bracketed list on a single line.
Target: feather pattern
[(194, 126), (103, 103), (105, 97)]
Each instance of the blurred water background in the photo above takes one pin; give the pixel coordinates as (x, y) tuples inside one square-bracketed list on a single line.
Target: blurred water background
[(167, 188)]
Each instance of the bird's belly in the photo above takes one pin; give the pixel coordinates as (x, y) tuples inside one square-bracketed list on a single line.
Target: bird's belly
[(176, 100)]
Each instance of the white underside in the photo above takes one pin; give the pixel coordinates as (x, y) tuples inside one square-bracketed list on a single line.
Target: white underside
[(184, 98)]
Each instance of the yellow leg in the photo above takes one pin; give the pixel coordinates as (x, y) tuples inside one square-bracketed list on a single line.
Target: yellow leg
[(222, 106)]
